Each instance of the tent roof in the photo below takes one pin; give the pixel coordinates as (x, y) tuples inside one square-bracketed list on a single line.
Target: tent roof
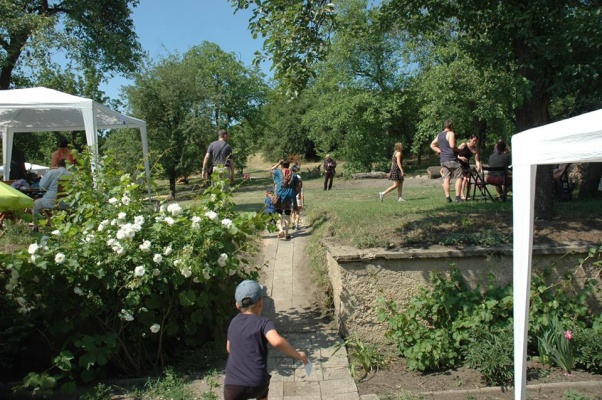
[(577, 139), (42, 109)]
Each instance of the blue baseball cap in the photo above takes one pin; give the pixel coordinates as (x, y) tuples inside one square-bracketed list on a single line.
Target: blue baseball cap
[(247, 289)]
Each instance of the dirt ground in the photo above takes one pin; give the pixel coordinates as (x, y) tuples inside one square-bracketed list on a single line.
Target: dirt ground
[(395, 379)]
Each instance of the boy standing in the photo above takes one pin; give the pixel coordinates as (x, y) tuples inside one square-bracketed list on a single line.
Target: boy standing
[(248, 335)]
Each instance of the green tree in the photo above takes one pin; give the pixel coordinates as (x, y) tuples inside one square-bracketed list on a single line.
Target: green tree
[(96, 36), (295, 35), (186, 99), (360, 103), (549, 47)]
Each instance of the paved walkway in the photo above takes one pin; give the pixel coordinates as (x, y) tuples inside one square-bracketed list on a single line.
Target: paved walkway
[(289, 303)]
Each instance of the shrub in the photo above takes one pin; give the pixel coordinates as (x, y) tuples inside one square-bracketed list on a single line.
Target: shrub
[(589, 347), (119, 285), (492, 353)]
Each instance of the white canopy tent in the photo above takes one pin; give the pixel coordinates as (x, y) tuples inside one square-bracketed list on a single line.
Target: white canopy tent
[(577, 139), (41, 109)]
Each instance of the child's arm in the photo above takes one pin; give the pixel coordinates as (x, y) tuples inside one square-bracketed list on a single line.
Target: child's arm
[(228, 346), (281, 344)]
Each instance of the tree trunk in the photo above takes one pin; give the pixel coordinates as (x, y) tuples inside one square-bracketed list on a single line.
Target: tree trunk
[(544, 193), (591, 173), (172, 188)]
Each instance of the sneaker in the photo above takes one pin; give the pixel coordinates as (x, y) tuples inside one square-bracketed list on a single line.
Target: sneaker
[(458, 199), (400, 200), (448, 199), (381, 196)]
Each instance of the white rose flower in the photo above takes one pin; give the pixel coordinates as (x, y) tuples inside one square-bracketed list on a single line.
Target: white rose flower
[(56, 232), (78, 291), (111, 242), (33, 248), (196, 280), (212, 215), (155, 328), (163, 208), (145, 246), (186, 271), (231, 272), (157, 258), (139, 270), (33, 258), (126, 315), (167, 251), (222, 260), (176, 263), (206, 274), (120, 234), (139, 220), (59, 258), (156, 272), (227, 223), (121, 215), (169, 221), (174, 209), (113, 200), (125, 200)]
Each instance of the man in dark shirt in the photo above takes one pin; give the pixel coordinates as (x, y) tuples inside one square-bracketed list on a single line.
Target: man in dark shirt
[(219, 158), (445, 145)]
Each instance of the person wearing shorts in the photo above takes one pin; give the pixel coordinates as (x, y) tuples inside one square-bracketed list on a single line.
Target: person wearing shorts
[(445, 145)]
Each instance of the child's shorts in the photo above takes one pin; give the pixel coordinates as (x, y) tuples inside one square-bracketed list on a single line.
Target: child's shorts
[(236, 392)]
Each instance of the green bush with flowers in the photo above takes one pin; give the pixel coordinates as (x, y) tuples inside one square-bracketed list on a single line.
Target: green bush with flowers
[(118, 285)]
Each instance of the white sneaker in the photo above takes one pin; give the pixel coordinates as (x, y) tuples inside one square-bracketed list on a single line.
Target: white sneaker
[(400, 200), (381, 196)]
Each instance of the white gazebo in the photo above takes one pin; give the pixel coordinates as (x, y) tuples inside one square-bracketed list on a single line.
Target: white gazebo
[(577, 139), (41, 109)]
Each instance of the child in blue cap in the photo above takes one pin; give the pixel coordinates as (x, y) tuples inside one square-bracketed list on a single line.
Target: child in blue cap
[(248, 335)]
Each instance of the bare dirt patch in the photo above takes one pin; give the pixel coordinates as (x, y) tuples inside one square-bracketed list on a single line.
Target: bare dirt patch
[(396, 379)]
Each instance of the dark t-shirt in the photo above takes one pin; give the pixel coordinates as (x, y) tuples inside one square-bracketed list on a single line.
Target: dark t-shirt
[(247, 361), (447, 153), (220, 152)]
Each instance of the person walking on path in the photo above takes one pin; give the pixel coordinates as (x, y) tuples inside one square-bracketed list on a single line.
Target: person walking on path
[(219, 158), (285, 182), (248, 335), (296, 218), (445, 145), (330, 166), (395, 174)]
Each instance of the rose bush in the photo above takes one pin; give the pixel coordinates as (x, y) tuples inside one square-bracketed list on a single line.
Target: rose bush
[(120, 283)]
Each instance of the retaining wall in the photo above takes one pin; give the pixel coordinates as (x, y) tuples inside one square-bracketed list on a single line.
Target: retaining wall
[(359, 277)]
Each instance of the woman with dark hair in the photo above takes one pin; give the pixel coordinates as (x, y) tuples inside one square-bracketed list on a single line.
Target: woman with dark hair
[(62, 153), (465, 153), (285, 182)]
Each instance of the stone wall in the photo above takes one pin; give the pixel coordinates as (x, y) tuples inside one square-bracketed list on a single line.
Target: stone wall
[(359, 277)]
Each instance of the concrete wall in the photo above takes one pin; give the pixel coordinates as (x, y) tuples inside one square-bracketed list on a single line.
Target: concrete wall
[(359, 277)]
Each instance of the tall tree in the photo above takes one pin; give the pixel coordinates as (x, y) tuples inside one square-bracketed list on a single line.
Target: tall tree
[(296, 36), (97, 35), (186, 99)]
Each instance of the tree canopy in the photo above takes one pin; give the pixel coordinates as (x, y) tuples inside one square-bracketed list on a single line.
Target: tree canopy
[(94, 36)]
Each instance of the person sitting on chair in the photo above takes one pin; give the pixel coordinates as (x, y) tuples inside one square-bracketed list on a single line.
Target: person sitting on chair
[(500, 158), (561, 182), (50, 183)]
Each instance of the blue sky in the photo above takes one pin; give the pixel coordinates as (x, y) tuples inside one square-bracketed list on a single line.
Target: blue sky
[(177, 25)]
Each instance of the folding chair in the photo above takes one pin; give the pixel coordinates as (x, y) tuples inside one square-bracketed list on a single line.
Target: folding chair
[(477, 181), (503, 183)]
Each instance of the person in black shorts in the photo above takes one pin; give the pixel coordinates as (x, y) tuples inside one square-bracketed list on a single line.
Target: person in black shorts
[(248, 336)]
